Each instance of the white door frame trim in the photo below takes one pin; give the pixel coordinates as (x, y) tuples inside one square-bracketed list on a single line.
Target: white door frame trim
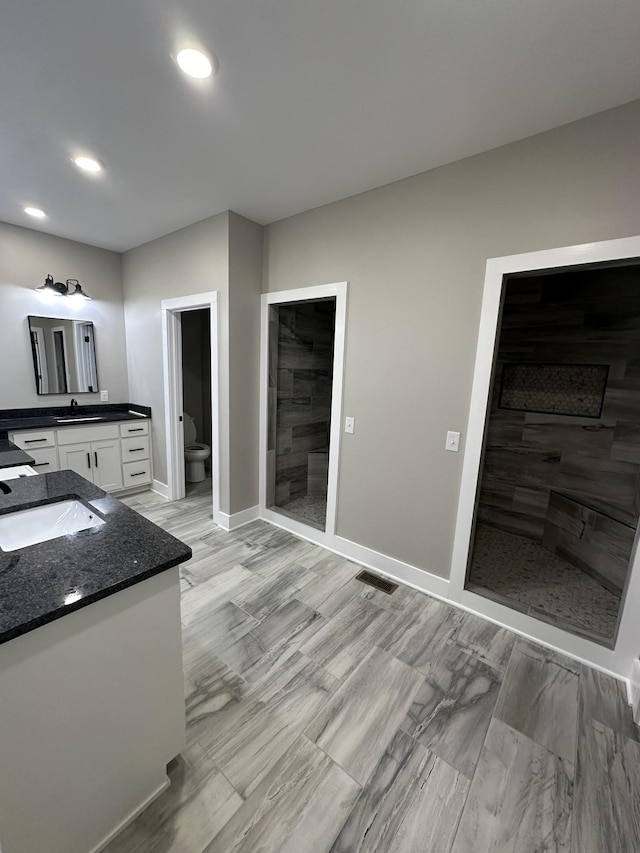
[(172, 370), (322, 291), (621, 659)]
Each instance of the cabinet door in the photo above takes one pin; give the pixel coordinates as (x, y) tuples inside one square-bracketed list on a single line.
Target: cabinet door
[(77, 457), (107, 465)]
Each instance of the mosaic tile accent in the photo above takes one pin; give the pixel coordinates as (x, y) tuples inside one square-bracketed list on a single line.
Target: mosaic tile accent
[(557, 389)]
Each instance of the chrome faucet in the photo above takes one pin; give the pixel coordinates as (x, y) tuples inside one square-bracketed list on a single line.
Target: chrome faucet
[(73, 406)]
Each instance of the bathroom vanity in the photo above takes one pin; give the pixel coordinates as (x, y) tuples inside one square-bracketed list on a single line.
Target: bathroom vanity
[(91, 688), (107, 444)]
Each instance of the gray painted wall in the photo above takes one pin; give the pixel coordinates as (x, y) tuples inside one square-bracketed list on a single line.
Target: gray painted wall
[(414, 253), (26, 257), (192, 260), (245, 282), (222, 253)]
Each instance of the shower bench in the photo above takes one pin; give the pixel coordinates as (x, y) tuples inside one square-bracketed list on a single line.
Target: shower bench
[(593, 535)]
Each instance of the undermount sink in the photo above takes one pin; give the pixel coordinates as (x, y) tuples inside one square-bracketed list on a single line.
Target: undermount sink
[(42, 523), (16, 472), (75, 419)]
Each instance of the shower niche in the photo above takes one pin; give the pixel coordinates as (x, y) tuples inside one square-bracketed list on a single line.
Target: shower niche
[(301, 352)]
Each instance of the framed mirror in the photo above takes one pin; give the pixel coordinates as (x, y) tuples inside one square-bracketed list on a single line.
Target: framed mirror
[(64, 355)]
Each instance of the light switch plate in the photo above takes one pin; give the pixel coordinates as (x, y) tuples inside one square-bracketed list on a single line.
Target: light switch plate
[(104, 396), (453, 441), (349, 425)]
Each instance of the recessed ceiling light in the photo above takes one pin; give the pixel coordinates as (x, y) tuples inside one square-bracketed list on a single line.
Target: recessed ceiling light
[(88, 164), (195, 63), (35, 211)]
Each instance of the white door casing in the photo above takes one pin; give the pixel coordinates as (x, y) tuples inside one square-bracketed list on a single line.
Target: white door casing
[(323, 291), (172, 371)]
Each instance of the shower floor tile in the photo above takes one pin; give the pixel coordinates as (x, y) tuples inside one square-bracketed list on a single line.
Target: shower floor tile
[(311, 509), (523, 574)]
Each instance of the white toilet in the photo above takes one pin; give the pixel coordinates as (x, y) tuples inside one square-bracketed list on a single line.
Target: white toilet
[(194, 452)]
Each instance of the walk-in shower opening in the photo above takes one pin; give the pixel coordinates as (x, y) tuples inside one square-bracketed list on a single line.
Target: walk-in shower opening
[(301, 346), (559, 490)]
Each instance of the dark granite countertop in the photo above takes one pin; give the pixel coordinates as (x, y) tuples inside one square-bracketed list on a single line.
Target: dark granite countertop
[(10, 455), (47, 416), (95, 563)]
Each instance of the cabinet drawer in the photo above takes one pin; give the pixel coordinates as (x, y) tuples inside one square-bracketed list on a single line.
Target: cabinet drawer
[(136, 474), (80, 434), (46, 459), (36, 438), (134, 428), (134, 449)]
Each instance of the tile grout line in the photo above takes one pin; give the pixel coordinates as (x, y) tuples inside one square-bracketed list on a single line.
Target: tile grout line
[(484, 740)]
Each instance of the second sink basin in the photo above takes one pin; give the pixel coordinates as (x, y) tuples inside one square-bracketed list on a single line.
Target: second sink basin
[(78, 419), (42, 523)]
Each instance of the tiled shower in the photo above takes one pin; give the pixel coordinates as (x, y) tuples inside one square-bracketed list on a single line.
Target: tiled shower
[(559, 493), (301, 341)]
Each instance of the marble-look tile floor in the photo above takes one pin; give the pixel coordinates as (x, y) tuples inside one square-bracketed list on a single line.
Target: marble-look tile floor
[(324, 716), (204, 487), (523, 574)]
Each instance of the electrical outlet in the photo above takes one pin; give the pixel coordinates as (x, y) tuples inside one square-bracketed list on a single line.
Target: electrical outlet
[(104, 396), (349, 425), (453, 441)]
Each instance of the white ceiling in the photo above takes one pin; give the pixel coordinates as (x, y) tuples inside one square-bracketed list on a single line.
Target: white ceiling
[(314, 100)]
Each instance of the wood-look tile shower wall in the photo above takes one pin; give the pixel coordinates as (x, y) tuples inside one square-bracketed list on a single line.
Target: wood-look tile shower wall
[(570, 482), (301, 339)]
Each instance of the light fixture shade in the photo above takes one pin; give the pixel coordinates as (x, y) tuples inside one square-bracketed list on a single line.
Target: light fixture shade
[(78, 292), (54, 288), (48, 283)]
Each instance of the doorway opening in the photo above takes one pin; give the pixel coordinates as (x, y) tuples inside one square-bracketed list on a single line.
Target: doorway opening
[(302, 364), (190, 356), (300, 385), (196, 399), (617, 654), (60, 360), (559, 491)]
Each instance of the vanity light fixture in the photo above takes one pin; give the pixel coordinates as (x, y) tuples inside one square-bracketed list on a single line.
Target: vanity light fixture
[(77, 293), (36, 212), (88, 164), (195, 63), (58, 288)]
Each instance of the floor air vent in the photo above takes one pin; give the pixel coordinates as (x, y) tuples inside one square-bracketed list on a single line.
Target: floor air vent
[(379, 583)]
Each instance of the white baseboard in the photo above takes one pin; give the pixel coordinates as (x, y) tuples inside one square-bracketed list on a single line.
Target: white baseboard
[(391, 567), (633, 691), (236, 519), (132, 816), (160, 488), (396, 569), (424, 581)]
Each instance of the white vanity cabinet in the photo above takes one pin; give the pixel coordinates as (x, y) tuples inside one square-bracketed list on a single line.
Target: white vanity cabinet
[(136, 455), (42, 445), (93, 452), (115, 456)]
